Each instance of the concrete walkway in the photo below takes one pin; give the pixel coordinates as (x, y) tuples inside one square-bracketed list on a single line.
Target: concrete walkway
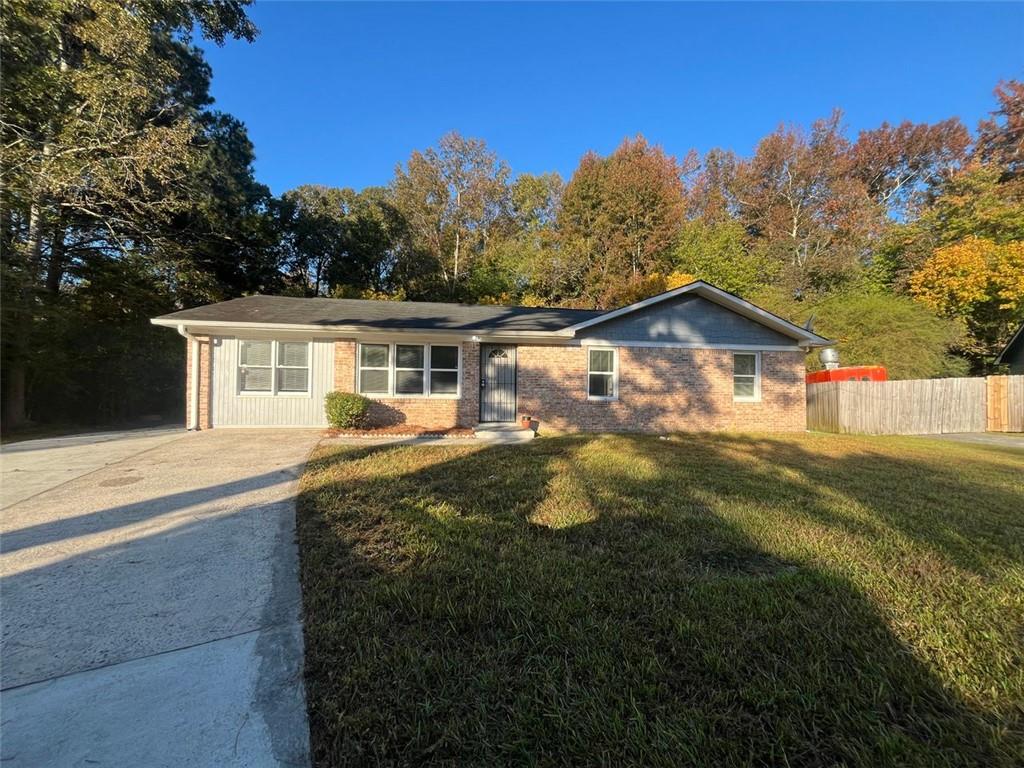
[(151, 606)]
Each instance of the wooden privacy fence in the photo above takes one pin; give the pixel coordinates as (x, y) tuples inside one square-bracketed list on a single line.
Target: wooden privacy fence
[(1004, 403), (918, 406)]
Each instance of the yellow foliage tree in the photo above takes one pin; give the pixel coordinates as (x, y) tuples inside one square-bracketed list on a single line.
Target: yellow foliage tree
[(1008, 276), (678, 280), (955, 279), (980, 281)]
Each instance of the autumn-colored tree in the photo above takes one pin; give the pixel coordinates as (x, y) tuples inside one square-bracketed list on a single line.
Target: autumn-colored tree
[(976, 202), (582, 224), (711, 196), (980, 281), (899, 164), (803, 206), (630, 291), (1001, 138), (452, 198), (644, 203), (620, 217)]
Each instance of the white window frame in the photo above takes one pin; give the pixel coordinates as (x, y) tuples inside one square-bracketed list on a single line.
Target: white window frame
[(425, 370), (429, 363), (360, 368), (391, 394), (756, 397), (274, 392), (614, 373)]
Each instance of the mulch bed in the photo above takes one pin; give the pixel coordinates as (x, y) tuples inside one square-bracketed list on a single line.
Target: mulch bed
[(402, 430)]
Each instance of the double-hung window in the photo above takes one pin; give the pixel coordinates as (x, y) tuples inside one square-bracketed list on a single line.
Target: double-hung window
[(746, 377), (375, 369), (444, 370), (409, 370), (292, 366), (273, 367), (410, 361), (602, 374)]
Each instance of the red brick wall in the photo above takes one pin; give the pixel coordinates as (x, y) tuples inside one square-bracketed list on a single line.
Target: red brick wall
[(660, 390), (427, 412), (205, 372)]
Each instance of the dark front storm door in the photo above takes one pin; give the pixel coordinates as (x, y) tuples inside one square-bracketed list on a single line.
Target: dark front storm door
[(497, 382)]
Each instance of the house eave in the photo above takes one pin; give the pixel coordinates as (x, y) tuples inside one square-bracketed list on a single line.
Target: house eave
[(225, 327)]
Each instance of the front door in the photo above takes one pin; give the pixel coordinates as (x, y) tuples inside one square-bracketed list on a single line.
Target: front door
[(497, 382)]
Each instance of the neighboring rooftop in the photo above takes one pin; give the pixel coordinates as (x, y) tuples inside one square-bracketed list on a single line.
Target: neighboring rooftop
[(1014, 349), (390, 315)]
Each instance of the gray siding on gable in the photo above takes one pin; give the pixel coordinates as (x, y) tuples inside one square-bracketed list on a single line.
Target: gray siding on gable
[(1015, 359), (686, 320)]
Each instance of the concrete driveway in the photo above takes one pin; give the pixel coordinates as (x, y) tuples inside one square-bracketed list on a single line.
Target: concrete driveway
[(151, 606), (991, 439)]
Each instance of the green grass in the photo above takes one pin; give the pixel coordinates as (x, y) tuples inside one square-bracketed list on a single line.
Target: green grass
[(706, 600)]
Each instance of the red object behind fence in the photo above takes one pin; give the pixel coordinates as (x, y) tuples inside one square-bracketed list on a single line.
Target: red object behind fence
[(849, 373)]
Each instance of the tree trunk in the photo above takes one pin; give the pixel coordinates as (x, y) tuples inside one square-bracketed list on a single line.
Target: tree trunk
[(18, 332), (55, 265), (455, 273), (14, 394)]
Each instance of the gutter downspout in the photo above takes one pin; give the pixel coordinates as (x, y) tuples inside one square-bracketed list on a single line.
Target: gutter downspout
[(193, 380)]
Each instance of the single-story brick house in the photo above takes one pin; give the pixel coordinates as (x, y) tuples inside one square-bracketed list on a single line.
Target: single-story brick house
[(693, 358)]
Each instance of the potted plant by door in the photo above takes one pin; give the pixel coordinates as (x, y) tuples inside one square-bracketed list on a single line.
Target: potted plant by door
[(525, 421)]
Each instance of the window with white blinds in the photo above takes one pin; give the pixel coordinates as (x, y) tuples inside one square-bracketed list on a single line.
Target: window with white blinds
[(409, 370), (273, 367)]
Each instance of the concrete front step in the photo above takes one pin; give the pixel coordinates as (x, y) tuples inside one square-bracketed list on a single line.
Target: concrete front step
[(503, 433)]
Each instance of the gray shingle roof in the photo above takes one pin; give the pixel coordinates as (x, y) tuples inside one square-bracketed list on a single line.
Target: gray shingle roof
[(388, 315)]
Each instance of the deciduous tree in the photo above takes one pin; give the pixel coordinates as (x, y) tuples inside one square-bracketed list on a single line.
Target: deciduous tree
[(801, 202), (900, 164), (980, 281), (101, 143), (620, 217), (1001, 138), (452, 197)]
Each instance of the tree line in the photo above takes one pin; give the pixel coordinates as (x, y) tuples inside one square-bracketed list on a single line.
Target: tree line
[(127, 195)]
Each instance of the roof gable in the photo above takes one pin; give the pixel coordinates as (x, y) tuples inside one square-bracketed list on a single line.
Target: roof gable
[(1014, 348), (717, 296), (687, 319)]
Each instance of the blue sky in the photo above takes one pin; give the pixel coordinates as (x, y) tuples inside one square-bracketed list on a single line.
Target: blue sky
[(338, 93)]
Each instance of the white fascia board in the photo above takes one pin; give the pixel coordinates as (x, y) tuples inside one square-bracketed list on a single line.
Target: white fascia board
[(692, 345), (723, 298), (229, 328)]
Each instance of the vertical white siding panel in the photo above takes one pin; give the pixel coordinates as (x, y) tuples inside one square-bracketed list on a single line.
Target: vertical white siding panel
[(233, 410)]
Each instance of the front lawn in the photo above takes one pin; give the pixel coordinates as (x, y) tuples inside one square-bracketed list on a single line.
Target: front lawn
[(705, 600)]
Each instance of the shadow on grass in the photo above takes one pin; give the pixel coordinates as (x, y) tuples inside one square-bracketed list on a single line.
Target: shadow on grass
[(628, 601)]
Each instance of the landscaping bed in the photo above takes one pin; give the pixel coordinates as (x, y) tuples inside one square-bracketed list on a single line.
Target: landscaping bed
[(402, 430), (715, 600)]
